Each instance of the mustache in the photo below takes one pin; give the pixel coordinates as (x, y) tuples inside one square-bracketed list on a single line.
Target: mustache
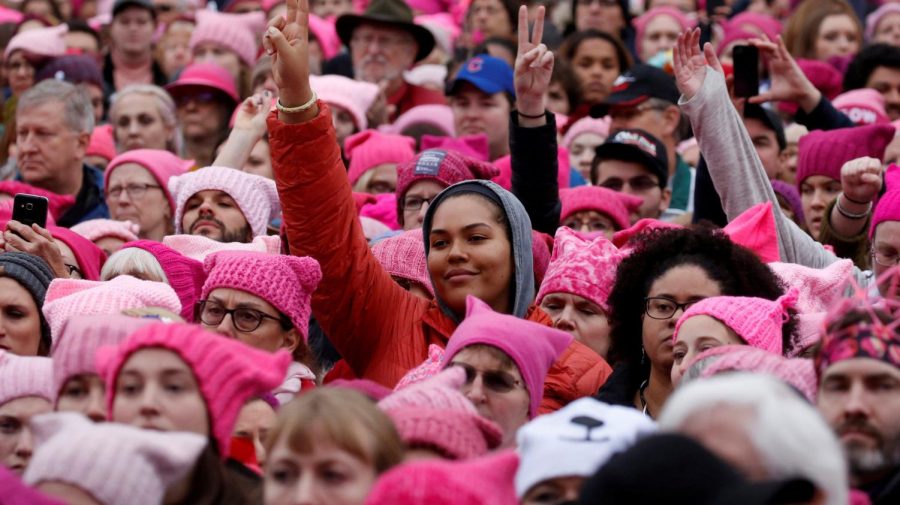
[(204, 220), (859, 426)]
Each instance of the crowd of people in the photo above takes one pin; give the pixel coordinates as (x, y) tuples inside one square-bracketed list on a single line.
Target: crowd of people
[(498, 252)]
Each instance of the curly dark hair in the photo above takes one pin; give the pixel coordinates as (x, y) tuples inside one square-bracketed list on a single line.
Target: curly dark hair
[(737, 270), (870, 58)]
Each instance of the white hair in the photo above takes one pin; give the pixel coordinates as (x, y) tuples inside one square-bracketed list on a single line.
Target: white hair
[(133, 261), (789, 433)]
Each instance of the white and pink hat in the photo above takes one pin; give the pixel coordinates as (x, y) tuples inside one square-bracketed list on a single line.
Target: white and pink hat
[(22, 376)]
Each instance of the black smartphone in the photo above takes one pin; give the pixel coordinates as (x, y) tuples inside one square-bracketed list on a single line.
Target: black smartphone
[(746, 71), (30, 209), (712, 6)]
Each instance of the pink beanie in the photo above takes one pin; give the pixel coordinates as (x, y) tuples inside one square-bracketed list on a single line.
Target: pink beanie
[(57, 206), (586, 124), (370, 148), (755, 229), (326, 35), (819, 288), (184, 274), (90, 258), (41, 42), (876, 16), (403, 256), (95, 229), (487, 480), (888, 207), (430, 6), (255, 195), (863, 106), (824, 152), (756, 23), (114, 463), (22, 376), (162, 165), (435, 414), (640, 23), (616, 205), (756, 321), (237, 33), (541, 243), (504, 165), (228, 372), (432, 365), (798, 372), (533, 347), (446, 167), (384, 210), (353, 96), (621, 238), (74, 347), (473, 146), (198, 247), (286, 282), (102, 143), (67, 298), (583, 268), (438, 116)]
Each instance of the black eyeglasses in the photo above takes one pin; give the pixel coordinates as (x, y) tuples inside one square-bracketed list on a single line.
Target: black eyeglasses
[(661, 307), (73, 269), (415, 202), (494, 380), (242, 318)]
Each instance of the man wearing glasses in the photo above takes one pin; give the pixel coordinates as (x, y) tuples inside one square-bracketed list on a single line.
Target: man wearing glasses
[(634, 162)]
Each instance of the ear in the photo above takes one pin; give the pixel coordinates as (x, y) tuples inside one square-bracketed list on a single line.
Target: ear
[(292, 340), (665, 199), (671, 119), (83, 139)]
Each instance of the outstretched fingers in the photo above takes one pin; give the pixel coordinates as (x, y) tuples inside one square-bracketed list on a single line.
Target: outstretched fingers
[(523, 29), (538, 30)]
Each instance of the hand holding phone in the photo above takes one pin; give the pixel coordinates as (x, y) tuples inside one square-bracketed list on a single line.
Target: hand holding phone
[(30, 209), (746, 71)]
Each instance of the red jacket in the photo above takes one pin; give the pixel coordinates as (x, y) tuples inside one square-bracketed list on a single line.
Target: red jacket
[(379, 328)]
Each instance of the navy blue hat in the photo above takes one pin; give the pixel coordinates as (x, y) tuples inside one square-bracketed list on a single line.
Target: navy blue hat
[(487, 73), (637, 85)]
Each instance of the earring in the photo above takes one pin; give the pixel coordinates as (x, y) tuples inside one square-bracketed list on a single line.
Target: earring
[(643, 355)]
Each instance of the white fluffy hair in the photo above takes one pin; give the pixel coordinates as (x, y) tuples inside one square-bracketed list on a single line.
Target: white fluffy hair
[(790, 435), (132, 261)]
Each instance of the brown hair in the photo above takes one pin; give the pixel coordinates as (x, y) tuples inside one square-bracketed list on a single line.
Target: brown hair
[(802, 28), (346, 418)]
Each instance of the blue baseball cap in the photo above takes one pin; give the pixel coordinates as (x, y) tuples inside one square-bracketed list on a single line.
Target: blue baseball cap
[(487, 73)]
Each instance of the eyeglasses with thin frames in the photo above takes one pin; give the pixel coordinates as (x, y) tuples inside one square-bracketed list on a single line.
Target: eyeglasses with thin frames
[(243, 319)]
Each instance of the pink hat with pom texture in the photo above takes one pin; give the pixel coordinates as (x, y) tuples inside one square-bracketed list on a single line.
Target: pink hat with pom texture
[(371, 148), (95, 229), (353, 96), (184, 274), (235, 32), (403, 256), (798, 372), (22, 376), (616, 205)]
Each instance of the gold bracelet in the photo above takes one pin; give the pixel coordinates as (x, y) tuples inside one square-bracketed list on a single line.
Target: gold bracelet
[(300, 108)]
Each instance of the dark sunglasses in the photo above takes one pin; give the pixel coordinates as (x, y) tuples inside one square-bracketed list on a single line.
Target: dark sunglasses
[(493, 380)]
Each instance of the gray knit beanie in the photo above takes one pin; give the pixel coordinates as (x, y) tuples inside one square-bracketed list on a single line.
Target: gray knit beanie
[(33, 274)]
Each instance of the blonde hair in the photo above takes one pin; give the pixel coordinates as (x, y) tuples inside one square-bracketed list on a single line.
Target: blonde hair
[(135, 262)]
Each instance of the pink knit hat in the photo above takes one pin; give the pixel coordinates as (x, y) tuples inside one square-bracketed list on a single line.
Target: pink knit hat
[(757, 321), (112, 462), (819, 288), (824, 152), (72, 297), (863, 106), (435, 414), (403, 256), (287, 282), (198, 247), (473, 146), (74, 347), (58, 204), (184, 274), (580, 267), (756, 23), (228, 371), (237, 33), (616, 205), (102, 143), (532, 347), (877, 15), (41, 42), (445, 167), (487, 480), (162, 165), (586, 124), (370, 148), (504, 165), (438, 116), (204, 75), (255, 195), (640, 23), (353, 96), (755, 229), (90, 258), (22, 376), (325, 34), (384, 210), (432, 365), (95, 229), (888, 207)]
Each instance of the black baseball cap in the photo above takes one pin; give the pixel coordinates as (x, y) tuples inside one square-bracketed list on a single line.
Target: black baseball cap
[(636, 146), (769, 119), (635, 86), (121, 5)]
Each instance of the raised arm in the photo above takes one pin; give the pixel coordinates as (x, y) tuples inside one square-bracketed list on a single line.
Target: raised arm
[(249, 128)]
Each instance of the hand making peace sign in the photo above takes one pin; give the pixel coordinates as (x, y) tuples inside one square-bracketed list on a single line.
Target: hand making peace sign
[(534, 66), (286, 41)]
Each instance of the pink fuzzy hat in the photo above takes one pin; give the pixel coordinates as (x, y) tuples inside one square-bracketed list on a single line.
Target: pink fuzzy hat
[(586, 124), (57, 206), (102, 143), (432, 365), (640, 23), (819, 288), (370, 148), (888, 207), (198, 247), (22, 376), (541, 243), (442, 26), (40, 42), (487, 480), (877, 15), (162, 165), (473, 146), (756, 321), (504, 164), (95, 229), (403, 256), (799, 373), (286, 282), (756, 23), (438, 116), (824, 152), (74, 347), (446, 167), (616, 205), (353, 96), (67, 298), (325, 34), (580, 267), (255, 195), (90, 258), (384, 210), (755, 229), (621, 238), (863, 106), (435, 414), (184, 274), (114, 463), (532, 347), (228, 372), (237, 33), (204, 75)]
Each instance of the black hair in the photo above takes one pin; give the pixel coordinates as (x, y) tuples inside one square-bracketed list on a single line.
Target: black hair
[(865, 63), (79, 26), (562, 73), (511, 7), (623, 5)]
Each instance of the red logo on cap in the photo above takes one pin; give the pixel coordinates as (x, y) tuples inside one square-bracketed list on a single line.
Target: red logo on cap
[(475, 65)]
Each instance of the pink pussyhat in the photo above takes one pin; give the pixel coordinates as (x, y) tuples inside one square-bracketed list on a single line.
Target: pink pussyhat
[(114, 463), (67, 298), (383, 210), (640, 23), (432, 366), (286, 282), (57, 206), (818, 288), (16, 492), (371, 148), (102, 143), (756, 321), (621, 238), (863, 106), (474, 146), (40, 42), (228, 372), (825, 152), (90, 258), (184, 274), (586, 124), (755, 229), (757, 23), (162, 165), (888, 207), (434, 414), (435, 115), (22, 376), (403, 256), (615, 205), (198, 247), (237, 33), (95, 229), (532, 347), (342, 92), (325, 34), (75, 346), (487, 480)]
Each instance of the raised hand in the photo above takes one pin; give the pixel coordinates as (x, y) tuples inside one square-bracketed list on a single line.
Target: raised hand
[(690, 63), (534, 65), (788, 82), (861, 179), (252, 112), (37, 241), (286, 41)]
